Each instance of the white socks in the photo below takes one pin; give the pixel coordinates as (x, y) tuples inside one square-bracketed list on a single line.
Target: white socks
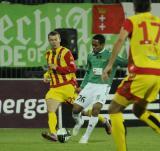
[(91, 125), (77, 117)]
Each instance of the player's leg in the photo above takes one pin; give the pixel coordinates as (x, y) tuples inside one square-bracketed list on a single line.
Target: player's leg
[(54, 98), (135, 88), (101, 119), (121, 100), (78, 106), (151, 90), (117, 122), (88, 113), (52, 106), (104, 91), (101, 91), (82, 101), (150, 118), (93, 120), (76, 114)]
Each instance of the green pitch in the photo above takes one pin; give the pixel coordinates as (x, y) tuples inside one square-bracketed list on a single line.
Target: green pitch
[(138, 139)]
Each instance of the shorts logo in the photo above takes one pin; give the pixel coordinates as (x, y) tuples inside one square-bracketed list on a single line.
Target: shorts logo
[(98, 97), (81, 98)]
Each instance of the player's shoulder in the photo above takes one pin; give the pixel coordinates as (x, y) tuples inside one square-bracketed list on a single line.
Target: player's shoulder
[(140, 16), (65, 50), (106, 51), (91, 54), (133, 17), (156, 18)]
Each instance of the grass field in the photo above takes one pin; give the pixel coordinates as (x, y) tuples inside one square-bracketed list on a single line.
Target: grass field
[(138, 139)]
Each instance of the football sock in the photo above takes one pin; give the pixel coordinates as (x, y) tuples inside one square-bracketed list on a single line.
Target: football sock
[(91, 125), (118, 131), (152, 119), (52, 122), (101, 118), (77, 117)]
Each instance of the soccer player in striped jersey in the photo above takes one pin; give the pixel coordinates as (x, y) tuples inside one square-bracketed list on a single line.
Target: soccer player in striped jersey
[(62, 79), (142, 85)]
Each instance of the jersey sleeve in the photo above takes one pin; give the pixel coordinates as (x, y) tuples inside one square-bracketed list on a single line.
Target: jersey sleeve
[(71, 67), (127, 25)]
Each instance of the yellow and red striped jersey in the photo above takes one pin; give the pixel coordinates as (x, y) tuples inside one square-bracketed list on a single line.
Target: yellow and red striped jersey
[(66, 68), (144, 29)]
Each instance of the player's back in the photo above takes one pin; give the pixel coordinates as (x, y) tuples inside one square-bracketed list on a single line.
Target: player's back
[(145, 43)]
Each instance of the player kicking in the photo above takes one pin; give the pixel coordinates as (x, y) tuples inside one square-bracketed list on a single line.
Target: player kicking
[(62, 79), (94, 90)]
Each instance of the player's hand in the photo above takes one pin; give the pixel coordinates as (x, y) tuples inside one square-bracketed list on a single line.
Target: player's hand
[(52, 66), (106, 72)]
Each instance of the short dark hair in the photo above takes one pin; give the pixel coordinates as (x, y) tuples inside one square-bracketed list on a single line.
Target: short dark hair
[(142, 5), (53, 33), (100, 38)]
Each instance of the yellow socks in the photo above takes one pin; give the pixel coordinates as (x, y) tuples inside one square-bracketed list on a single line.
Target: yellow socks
[(152, 119), (101, 118), (89, 112), (118, 131), (52, 122)]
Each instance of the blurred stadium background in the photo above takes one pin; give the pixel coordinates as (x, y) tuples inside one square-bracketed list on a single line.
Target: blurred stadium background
[(24, 25)]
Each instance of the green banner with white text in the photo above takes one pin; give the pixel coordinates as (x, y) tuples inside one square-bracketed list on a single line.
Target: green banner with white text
[(24, 30)]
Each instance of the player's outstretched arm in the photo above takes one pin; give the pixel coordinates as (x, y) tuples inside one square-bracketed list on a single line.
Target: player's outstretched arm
[(116, 49)]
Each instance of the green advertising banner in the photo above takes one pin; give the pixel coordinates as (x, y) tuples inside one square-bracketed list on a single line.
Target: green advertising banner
[(24, 29)]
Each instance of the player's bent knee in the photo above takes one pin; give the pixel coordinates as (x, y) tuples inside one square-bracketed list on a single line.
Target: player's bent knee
[(76, 109), (52, 105), (95, 111), (137, 112), (138, 109), (85, 113), (50, 109)]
